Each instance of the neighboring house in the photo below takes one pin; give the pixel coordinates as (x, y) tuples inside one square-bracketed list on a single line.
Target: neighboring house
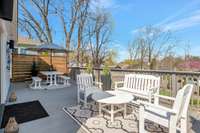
[(190, 65), (23, 43), (8, 31)]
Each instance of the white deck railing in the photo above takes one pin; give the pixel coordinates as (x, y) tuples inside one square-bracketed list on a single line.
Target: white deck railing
[(171, 81)]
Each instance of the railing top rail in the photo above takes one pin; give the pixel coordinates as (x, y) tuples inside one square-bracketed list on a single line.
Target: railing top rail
[(145, 71)]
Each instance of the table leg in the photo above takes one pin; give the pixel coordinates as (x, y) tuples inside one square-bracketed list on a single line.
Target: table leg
[(125, 110), (99, 108), (47, 81), (55, 79), (51, 79), (65, 82), (112, 113)]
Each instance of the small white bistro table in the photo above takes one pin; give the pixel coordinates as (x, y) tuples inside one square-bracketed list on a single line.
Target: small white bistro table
[(112, 99), (51, 76)]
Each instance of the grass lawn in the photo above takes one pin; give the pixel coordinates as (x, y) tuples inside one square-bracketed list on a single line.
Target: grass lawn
[(165, 92)]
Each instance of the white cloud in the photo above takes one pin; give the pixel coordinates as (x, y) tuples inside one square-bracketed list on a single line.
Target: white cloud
[(181, 12), (189, 21), (138, 30), (187, 17), (105, 4), (183, 23)]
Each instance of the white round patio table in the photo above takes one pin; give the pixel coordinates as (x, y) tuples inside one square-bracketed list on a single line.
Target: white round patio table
[(113, 99)]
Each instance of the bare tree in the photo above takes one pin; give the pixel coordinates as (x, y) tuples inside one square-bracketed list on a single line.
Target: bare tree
[(68, 18), (133, 50), (187, 51), (82, 19), (26, 28), (99, 31), (158, 43), (91, 29), (77, 16), (40, 24), (138, 51), (110, 59)]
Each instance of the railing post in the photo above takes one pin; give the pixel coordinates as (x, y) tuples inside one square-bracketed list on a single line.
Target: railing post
[(174, 85), (99, 75)]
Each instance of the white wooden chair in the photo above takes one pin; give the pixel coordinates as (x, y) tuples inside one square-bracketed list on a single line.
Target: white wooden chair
[(140, 85), (175, 118), (86, 86)]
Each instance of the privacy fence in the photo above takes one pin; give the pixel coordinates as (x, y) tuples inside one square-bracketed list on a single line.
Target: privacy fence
[(22, 65)]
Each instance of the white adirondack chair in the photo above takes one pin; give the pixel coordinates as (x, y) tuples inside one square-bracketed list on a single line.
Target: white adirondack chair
[(175, 118), (86, 86), (140, 85)]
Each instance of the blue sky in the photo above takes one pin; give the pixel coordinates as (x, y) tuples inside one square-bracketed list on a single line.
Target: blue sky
[(182, 17)]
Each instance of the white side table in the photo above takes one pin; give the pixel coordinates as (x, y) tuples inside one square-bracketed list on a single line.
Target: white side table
[(112, 99)]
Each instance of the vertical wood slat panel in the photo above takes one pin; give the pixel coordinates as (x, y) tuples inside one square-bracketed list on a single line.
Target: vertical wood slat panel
[(22, 65)]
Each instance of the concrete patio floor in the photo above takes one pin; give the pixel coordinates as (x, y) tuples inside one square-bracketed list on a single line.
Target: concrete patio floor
[(53, 101), (58, 122)]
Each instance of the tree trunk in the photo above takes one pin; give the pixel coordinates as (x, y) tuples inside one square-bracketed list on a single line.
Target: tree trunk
[(79, 46)]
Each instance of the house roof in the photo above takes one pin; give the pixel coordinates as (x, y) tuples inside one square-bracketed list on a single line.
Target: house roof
[(27, 42)]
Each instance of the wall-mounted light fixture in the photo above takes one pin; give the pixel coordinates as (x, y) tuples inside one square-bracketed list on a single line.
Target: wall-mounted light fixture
[(11, 44)]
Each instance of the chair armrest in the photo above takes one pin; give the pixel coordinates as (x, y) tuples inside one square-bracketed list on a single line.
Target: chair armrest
[(117, 83), (142, 103), (165, 97), (99, 84)]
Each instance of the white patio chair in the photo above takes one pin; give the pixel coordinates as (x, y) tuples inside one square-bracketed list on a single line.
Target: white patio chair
[(86, 86), (175, 118)]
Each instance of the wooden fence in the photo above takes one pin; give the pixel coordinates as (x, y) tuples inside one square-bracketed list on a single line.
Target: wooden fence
[(22, 65)]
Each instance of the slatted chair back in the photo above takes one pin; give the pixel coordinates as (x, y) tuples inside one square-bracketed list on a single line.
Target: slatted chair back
[(182, 101), (84, 80), (141, 83)]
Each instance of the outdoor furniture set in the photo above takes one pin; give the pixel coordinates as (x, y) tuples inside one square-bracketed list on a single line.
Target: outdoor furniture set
[(142, 90), (52, 78)]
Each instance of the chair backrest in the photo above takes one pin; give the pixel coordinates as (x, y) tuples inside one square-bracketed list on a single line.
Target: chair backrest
[(141, 82), (84, 80), (182, 101)]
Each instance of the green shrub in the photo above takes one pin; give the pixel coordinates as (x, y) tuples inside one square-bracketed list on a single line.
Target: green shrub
[(89, 68), (106, 70)]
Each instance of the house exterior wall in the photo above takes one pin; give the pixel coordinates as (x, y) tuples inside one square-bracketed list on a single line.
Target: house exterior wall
[(8, 31), (5, 73)]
